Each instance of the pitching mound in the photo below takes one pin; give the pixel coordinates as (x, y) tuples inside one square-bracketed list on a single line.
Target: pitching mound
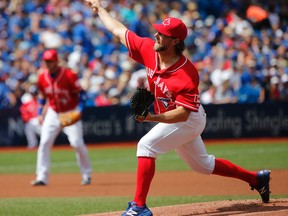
[(277, 207)]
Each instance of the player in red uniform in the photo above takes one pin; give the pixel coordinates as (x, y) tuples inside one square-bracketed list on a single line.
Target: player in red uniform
[(59, 86), (29, 115), (174, 82)]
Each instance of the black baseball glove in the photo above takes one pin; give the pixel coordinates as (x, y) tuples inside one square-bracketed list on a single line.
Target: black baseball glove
[(140, 102)]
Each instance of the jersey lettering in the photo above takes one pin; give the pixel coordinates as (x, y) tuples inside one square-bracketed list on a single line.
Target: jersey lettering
[(163, 88), (197, 98), (57, 91), (150, 72), (161, 85)]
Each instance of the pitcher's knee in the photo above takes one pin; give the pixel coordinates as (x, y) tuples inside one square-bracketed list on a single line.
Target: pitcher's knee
[(205, 165), (144, 150)]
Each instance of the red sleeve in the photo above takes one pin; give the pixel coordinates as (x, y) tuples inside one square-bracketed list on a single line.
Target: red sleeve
[(188, 96), (75, 85), (189, 100), (139, 47), (39, 83)]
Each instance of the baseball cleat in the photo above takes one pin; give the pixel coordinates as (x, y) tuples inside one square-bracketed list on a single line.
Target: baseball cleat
[(86, 181), (133, 209), (38, 183), (263, 178)]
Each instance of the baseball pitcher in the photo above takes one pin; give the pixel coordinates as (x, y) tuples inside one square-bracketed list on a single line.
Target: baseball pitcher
[(174, 81)]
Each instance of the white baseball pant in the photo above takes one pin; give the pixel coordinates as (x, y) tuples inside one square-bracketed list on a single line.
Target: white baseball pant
[(184, 138), (32, 129), (50, 130)]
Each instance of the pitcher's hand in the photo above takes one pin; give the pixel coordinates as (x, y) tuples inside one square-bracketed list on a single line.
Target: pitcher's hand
[(94, 4)]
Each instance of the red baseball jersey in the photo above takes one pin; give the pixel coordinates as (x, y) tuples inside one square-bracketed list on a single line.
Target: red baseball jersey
[(29, 110), (62, 91), (176, 85)]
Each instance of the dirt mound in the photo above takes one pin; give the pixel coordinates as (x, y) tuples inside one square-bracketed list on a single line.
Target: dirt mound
[(277, 207)]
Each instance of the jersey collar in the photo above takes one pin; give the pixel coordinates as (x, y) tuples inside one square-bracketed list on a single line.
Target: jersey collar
[(173, 68)]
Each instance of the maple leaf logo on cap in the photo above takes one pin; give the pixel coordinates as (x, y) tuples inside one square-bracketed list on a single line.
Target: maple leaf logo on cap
[(166, 22)]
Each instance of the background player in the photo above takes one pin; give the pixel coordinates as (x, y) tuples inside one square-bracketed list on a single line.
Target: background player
[(174, 82), (29, 114), (60, 86)]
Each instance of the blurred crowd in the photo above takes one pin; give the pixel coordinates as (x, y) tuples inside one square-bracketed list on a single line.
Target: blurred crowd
[(240, 47)]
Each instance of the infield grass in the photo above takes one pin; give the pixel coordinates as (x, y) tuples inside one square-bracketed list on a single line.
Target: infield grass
[(115, 159)]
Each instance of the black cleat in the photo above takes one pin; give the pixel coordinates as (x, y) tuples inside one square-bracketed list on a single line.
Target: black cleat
[(86, 181), (38, 183), (263, 178)]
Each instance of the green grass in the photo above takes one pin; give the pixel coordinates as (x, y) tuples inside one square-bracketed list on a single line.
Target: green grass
[(250, 156)]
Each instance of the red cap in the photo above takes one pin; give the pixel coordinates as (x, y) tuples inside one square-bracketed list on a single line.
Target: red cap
[(50, 55), (172, 27)]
